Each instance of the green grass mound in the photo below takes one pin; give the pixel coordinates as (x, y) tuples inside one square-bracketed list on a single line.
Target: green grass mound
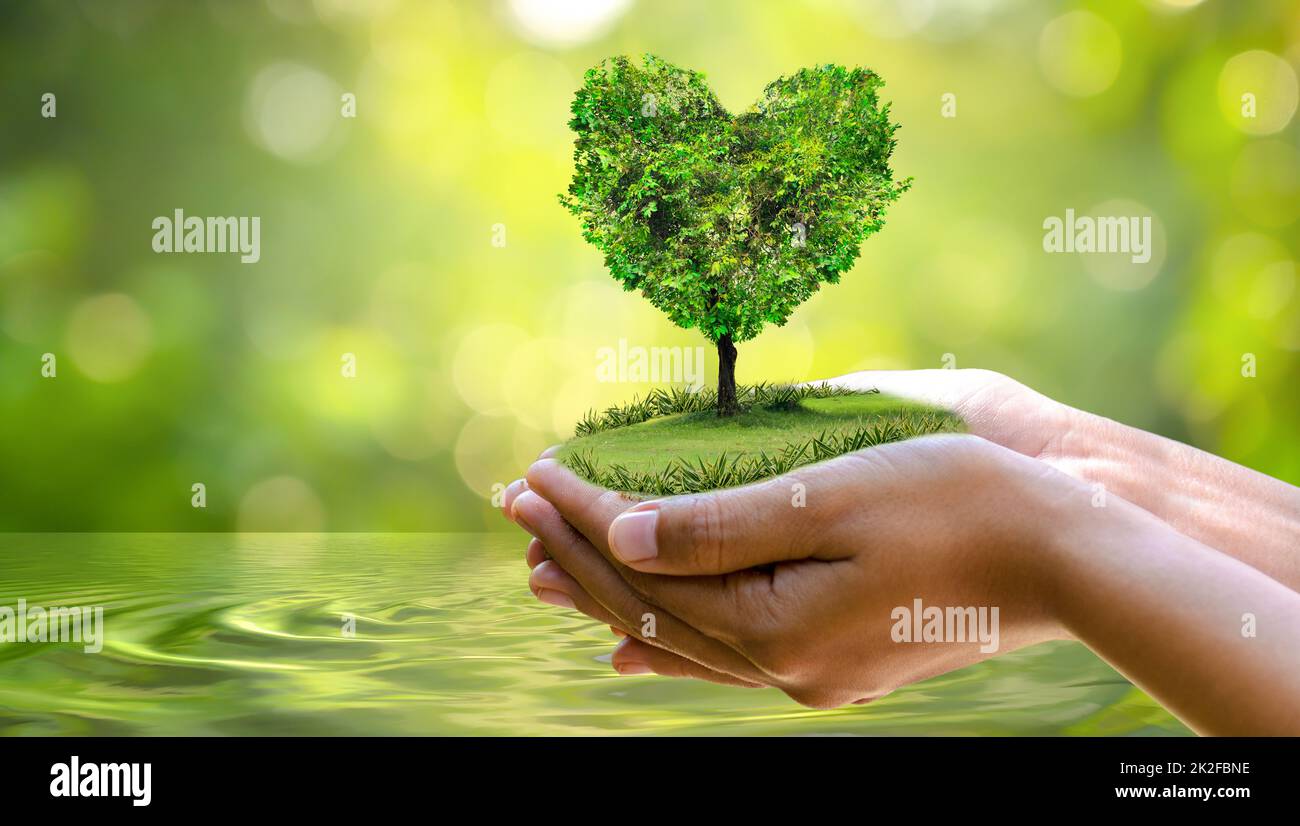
[(672, 442)]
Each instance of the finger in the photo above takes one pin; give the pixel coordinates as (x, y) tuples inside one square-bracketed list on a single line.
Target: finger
[(549, 452), (552, 585), (697, 534), (718, 606), (597, 577), (948, 389), (632, 656), (536, 553), (728, 530), (585, 506), (991, 405), (588, 508), (723, 607), (512, 491)]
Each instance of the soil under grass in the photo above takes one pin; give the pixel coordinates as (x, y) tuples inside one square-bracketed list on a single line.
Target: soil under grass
[(695, 451)]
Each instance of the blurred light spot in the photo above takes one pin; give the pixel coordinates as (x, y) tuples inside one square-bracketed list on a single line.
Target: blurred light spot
[(33, 296), (109, 336), (972, 282), (123, 18), (411, 110), (565, 22), (1271, 290), (233, 18), (277, 314), (1183, 372), (894, 18), (350, 11), (281, 503), (1253, 272), (1236, 261), (952, 19), (1080, 53), (527, 100), (1266, 182), (532, 375), (293, 112), (857, 344), (599, 307), (180, 304), (1247, 425), (780, 354), (421, 422), (1269, 80), (43, 208), (406, 301), (570, 403), (405, 433), (410, 499), (480, 365), (408, 89), (1192, 128), (1118, 270), (1286, 331), (486, 453), (400, 42), (528, 444), (299, 12), (375, 390), (1174, 5)]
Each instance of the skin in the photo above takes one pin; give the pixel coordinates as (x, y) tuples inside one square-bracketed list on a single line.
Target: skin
[(747, 589), (1236, 510)]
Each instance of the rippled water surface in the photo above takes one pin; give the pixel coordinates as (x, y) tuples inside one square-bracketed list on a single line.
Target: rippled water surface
[(243, 634)]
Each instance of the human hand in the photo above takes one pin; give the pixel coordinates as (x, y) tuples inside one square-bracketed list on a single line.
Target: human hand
[(745, 587), (1142, 595), (1243, 513), (744, 590), (1238, 511)]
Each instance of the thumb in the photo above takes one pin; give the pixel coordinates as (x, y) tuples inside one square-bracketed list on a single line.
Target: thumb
[(714, 533)]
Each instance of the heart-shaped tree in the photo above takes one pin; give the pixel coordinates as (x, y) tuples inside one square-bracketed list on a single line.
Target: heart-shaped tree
[(725, 223)]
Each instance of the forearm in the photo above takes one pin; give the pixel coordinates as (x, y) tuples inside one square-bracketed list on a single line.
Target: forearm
[(1213, 640), (1245, 514)]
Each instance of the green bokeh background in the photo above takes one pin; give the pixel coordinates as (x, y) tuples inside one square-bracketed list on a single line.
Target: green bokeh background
[(377, 237)]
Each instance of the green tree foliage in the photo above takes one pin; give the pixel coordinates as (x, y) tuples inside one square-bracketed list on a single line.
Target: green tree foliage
[(727, 224)]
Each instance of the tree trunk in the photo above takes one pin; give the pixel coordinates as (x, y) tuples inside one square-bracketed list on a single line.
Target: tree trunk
[(727, 405)]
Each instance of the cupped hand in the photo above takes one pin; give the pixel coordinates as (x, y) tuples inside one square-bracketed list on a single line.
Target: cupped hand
[(992, 406), (801, 581)]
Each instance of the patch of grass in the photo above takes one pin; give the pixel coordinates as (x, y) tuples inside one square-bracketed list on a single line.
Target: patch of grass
[(660, 402), (672, 441)]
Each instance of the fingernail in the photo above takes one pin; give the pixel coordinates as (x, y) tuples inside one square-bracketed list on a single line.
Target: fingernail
[(628, 669), (512, 490), (523, 523), (551, 597), (632, 535), (518, 513)]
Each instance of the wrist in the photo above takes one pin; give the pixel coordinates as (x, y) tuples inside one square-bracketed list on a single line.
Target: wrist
[(1105, 453), (1237, 511), (1081, 533), (1053, 517)]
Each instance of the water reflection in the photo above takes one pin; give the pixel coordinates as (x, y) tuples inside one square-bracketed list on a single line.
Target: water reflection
[(247, 634)]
